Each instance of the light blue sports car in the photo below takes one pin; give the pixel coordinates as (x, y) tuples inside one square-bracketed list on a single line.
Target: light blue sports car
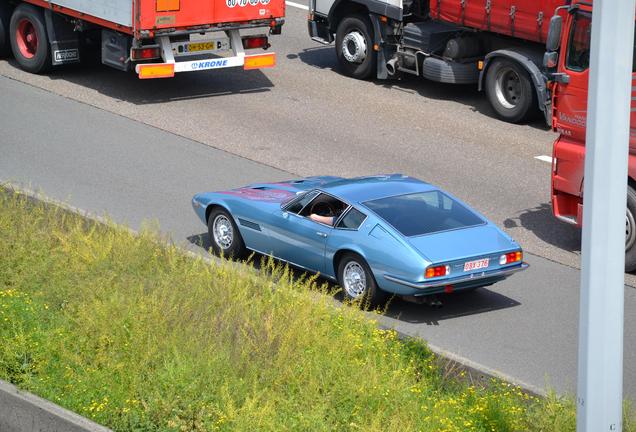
[(373, 235)]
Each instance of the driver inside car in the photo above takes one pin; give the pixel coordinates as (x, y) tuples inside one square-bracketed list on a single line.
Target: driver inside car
[(327, 220)]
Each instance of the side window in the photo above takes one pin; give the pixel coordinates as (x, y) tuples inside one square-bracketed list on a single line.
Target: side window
[(299, 203), (352, 220), (325, 205), (578, 57)]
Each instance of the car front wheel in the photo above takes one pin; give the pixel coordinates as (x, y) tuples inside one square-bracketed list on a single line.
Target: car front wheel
[(358, 283), (225, 237)]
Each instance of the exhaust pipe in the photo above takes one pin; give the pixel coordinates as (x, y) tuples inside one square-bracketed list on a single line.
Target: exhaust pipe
[(391, 66)]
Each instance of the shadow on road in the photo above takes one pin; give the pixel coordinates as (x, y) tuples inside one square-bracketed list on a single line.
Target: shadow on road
[(325, 58), (458, 304), (540, 221), (455, 305), (123, 86)]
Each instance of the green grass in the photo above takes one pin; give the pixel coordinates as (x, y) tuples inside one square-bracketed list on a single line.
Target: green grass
[(139, 336)]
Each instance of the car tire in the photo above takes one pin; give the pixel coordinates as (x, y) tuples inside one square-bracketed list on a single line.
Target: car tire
[(354, 47), (5, 23), (439, 70), (225, 237), (510, 90), (630, 231), (357, 282), (29, 40)]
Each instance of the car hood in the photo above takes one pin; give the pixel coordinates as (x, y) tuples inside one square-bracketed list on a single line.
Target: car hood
[(462, 243), (278, 192)]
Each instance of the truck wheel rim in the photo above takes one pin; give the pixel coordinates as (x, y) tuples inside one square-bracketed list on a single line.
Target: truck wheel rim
[(354, 279), (223, 232), (508, 88), (27, 38), (354, 47), (630, 235)]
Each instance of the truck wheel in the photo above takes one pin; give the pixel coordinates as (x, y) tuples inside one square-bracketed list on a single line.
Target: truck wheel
[(354, 47), (509, 90), (29, 41), (5, 20), (630, 231)]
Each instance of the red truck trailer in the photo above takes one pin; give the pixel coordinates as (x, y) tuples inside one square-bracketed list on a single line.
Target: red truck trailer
[(496, 44), (567, 62), (156, 38)]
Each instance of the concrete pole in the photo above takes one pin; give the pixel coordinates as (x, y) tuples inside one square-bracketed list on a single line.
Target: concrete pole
[(600, 381)]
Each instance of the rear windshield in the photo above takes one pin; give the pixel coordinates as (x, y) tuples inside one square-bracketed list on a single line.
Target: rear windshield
[(423, 213)]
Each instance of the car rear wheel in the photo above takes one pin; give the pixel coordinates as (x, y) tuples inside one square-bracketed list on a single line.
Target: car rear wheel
[(225, 237), (358, 283), (29, 40)]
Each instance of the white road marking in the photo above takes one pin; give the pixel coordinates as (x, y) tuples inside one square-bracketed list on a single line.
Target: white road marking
[(544, 158), (297, 5)]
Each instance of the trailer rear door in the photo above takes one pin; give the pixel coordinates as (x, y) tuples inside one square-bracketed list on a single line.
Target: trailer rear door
[(163, 14)]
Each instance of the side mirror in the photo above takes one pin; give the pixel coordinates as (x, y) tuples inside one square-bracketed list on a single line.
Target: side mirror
[(554, 33), (550, 60)]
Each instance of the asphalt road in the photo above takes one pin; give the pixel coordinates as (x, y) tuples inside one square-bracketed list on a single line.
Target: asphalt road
[(525, 327), (105, 141)]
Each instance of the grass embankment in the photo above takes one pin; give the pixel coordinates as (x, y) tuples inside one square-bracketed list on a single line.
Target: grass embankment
[(140, 337)]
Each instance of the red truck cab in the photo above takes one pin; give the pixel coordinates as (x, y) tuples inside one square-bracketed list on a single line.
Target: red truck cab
[(569, 89)]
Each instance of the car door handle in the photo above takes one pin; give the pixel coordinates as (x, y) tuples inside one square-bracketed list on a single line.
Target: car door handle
[(321, 234)]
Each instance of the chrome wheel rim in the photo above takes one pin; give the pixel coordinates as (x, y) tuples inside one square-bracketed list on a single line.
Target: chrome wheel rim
[(223, 232), (354, 47), (354, 279), (630, 235), (508, 88)]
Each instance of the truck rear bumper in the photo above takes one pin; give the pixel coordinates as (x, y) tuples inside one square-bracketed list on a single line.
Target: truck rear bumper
[(168, 70), (170, 66)]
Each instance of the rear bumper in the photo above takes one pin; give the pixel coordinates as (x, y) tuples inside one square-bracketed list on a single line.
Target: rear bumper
[(458, 283), (172, 65), (168, 70)]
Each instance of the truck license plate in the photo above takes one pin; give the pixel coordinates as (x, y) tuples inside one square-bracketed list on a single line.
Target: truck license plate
[(474, 265), (207, 46)]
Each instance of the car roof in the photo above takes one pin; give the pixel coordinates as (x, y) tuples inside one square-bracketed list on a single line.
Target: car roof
[(361, 189)]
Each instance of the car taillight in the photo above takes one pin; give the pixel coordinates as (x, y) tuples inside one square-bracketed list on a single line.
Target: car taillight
[(437, 271), (252, 42), (510, 258), (145, 53)]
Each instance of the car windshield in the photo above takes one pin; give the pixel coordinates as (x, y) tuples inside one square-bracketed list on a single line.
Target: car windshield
[(424, 213)]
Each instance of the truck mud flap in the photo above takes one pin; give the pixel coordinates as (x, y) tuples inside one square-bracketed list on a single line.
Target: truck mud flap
[(63, 39)]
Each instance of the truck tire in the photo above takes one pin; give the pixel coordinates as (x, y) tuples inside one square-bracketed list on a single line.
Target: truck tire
[(354, 47), (443, 71), (509, 90), (5, 22), (29, 40), (630, 231)]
